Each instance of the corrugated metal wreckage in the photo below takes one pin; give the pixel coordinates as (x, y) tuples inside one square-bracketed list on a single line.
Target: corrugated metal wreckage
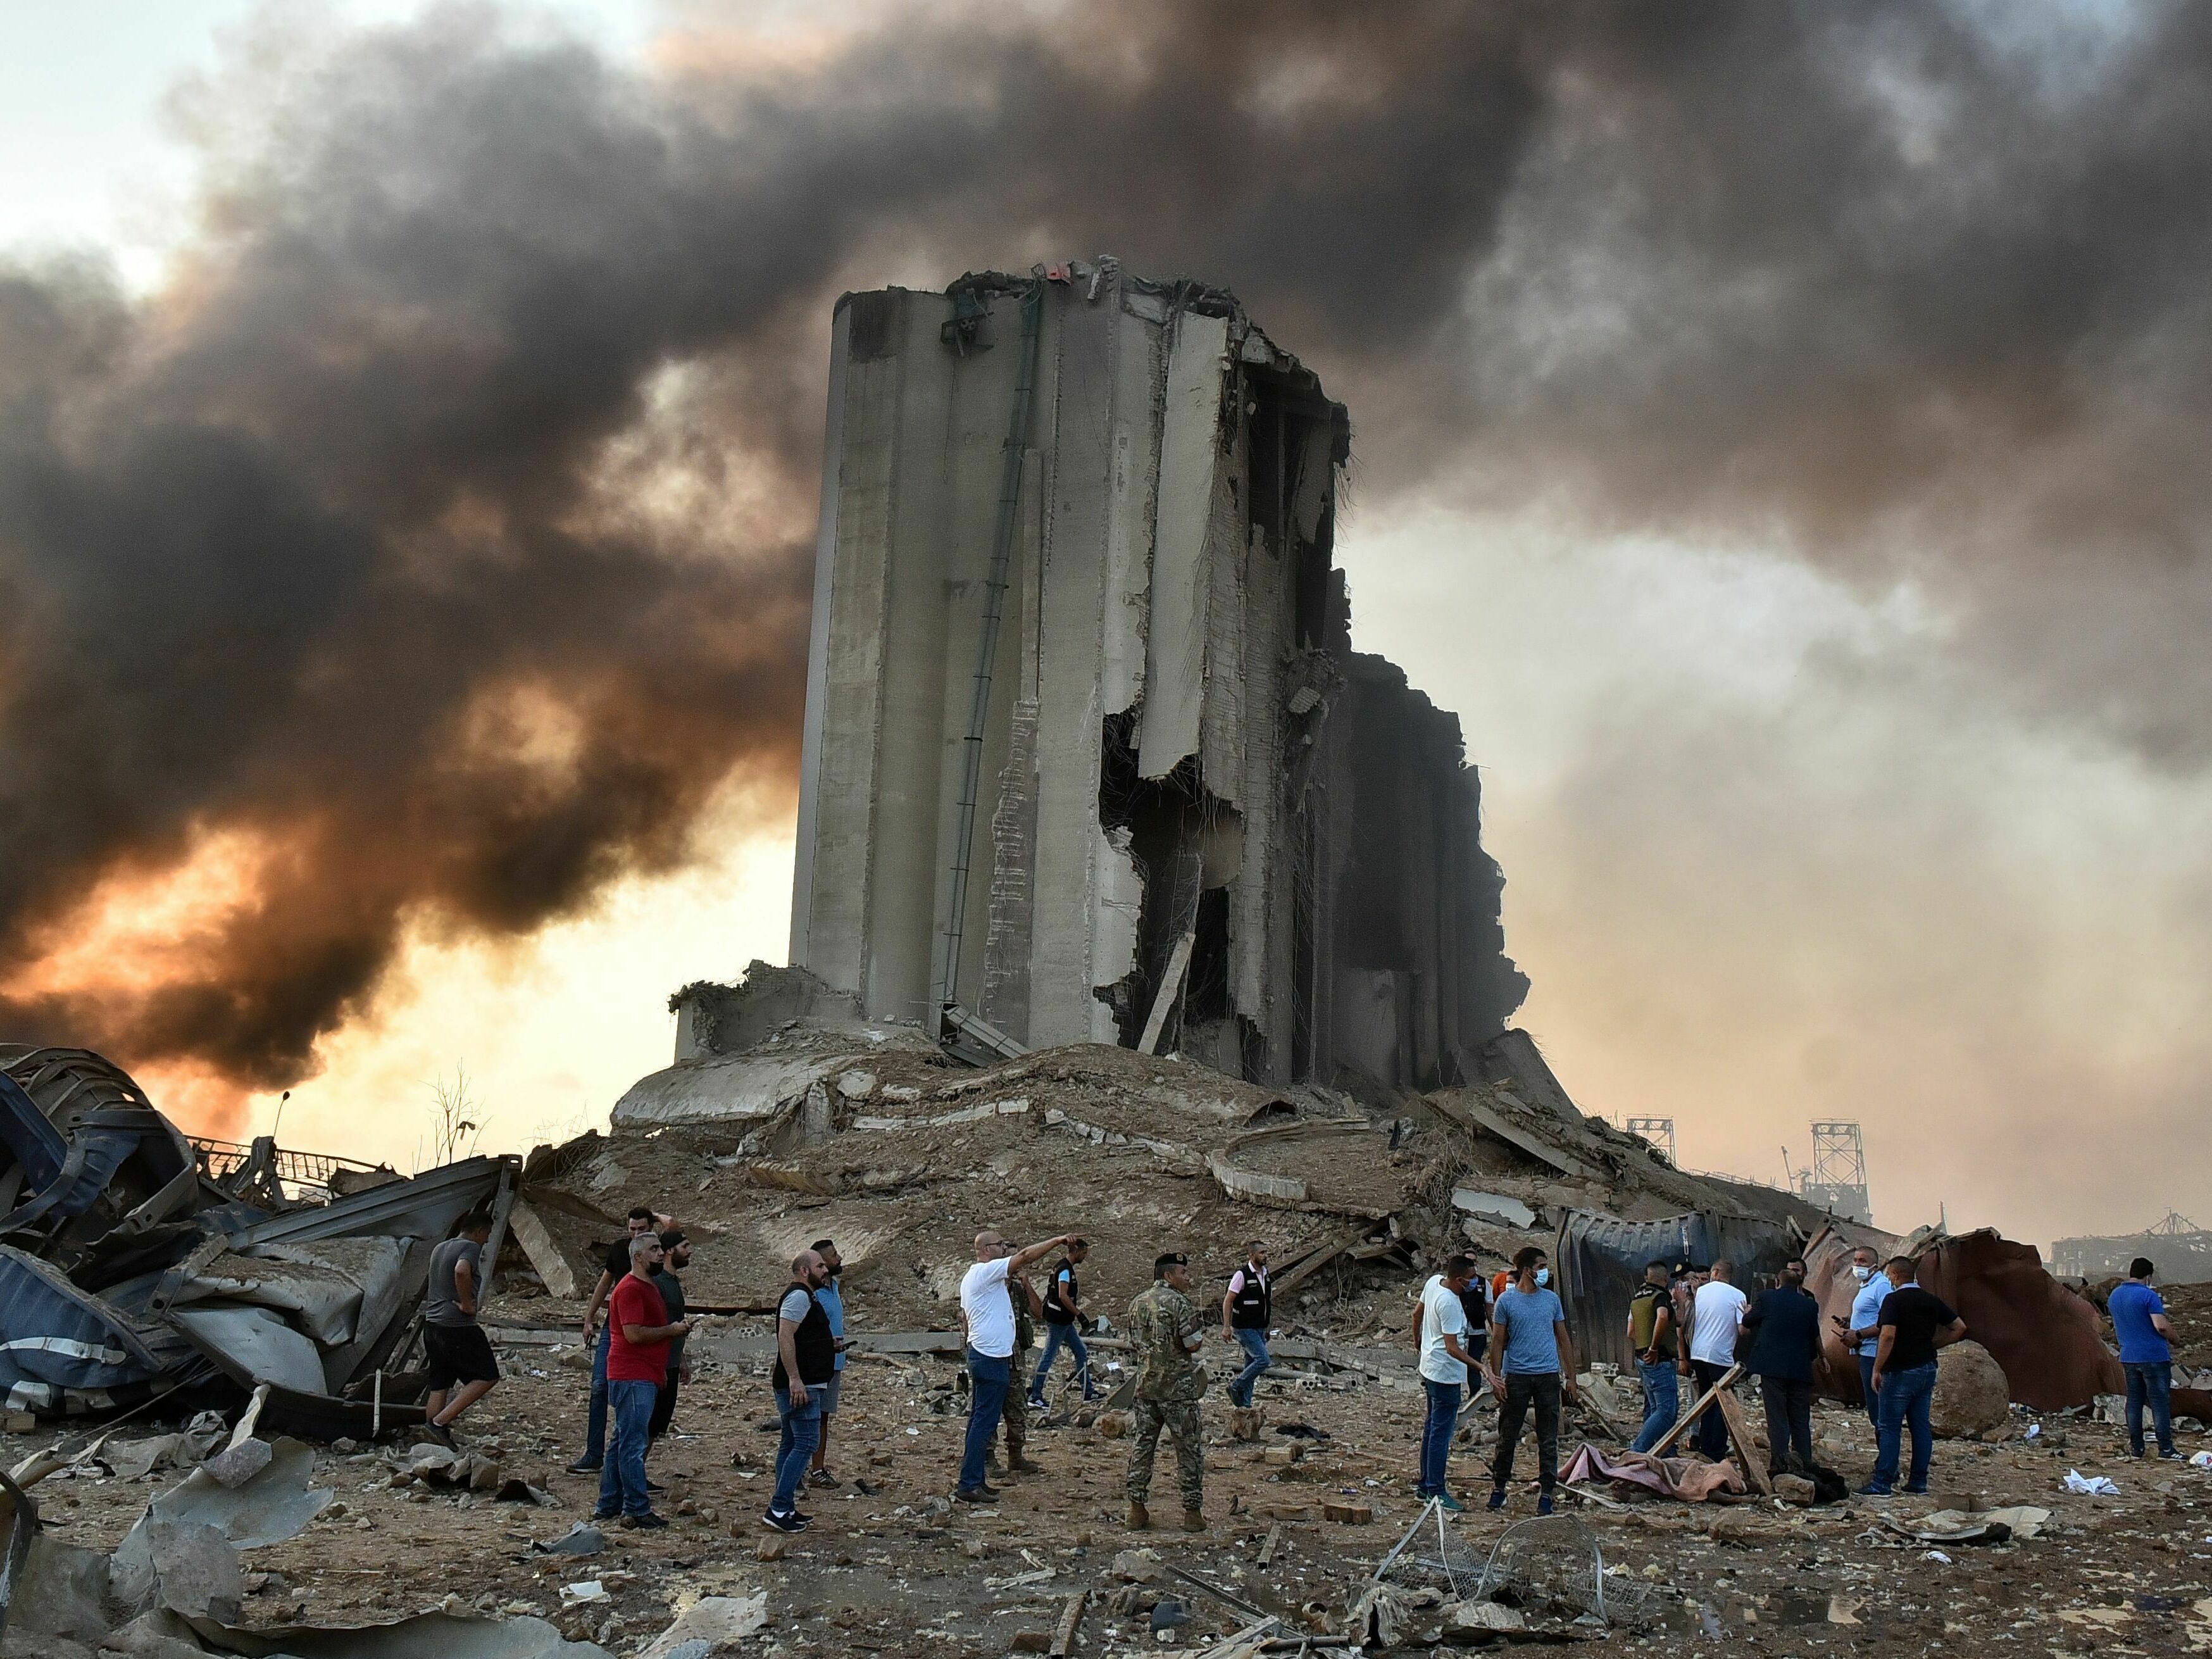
[(135, 1263)]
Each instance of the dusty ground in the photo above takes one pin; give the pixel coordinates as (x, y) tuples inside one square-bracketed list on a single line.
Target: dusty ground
[(890, 1571)]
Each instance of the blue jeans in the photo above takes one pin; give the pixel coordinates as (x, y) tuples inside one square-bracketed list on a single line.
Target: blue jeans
[(1055, 1338), (595, 1418), (987, 1398), (2155, 1384), (802, 1432), (621, 1473), (1663, 1403), (1866, 1388), (1905, 1396), (1256, 1359), (1437, 1436)]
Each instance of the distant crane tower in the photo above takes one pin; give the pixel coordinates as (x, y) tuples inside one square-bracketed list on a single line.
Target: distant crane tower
[(1659, 1131), (1836, 1180)]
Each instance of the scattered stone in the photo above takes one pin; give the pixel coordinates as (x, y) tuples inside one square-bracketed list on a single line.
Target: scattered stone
[(1137, 1566), (774, 1548), (1794, 1489), (1481, 1619), (1344, 1509)]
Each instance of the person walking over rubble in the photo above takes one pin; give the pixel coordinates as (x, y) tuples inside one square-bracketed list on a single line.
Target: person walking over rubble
[(1864, 1328), (833, 1303), (1063, 1323), (675, 1257), (805, 1363), (1533, 1366), (1165, 1334), (597, 1337), (1441, 1332), (2146, 1355), (1651, 1336), (1915, 1323), (986, 1317), (1246, 1310), (1716, 1320), (454, 1346), (1785, 1328), (637, 1367)]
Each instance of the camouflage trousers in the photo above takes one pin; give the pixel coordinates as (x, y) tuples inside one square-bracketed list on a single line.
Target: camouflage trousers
[(1014, 1415), (1180, 1418)]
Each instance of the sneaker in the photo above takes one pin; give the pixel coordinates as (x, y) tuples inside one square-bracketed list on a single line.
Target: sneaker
[(1916, 1491), (1543, 1503), (983, 1494), (793, 1522), (1451, 1503), (1497, 1498), (606, 1514), (823, 1479), (647, 1522), (2170, 1457), (438, 1432), (1875, 1489), (579, 1467), (1035, 1404)]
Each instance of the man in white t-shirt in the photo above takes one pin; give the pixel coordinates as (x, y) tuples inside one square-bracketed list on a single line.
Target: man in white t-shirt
[(1442, 1331), (987, 1319), (1716, 1317)]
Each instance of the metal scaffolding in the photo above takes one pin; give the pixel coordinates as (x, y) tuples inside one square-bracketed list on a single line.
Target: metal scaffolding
[(1659, 1131), (1837, 1181)]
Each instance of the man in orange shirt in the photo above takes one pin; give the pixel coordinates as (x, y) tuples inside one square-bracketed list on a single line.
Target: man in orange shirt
[(637, 1366)]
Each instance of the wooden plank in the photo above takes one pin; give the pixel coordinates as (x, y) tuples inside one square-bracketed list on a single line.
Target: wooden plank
[(1170, 988), (1697, 1410), (502, 1201), (1071, 1619), (1275, 1542), (1754, 1467), (1312, 1264)]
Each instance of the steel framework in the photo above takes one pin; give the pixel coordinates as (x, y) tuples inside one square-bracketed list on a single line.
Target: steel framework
[(1836, 1180), (1659, 1131)]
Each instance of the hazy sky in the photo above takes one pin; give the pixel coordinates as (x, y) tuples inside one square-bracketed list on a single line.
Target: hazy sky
[(1785, 837)]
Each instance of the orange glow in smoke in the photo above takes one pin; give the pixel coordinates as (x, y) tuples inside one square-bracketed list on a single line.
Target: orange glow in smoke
[(142, 928)]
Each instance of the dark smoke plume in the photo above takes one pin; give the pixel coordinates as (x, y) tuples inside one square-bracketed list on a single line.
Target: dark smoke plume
[(441, 529)]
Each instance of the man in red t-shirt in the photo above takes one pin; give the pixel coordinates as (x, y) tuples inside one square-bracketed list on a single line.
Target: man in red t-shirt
[(639, 1330)]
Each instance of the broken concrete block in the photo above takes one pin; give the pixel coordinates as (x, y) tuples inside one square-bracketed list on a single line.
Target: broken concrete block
[(233, 1466), (1480, 1619), (772, 1549), (21, 1423), (1345, 1511), (1137, 1566), (1245, 1422), (1031, 1641), (713, 1624), (1794, 1489), (1283, 1457), (1113, 1424), (857, 1085)]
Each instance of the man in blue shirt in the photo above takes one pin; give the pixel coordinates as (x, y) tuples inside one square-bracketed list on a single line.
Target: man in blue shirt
[(1865, 1329), (833, 1303), (2139, 1321), (1534, 1365)]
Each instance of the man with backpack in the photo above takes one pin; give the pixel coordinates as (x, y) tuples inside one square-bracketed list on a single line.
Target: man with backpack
[(1246, 1310), (1063, 1323)]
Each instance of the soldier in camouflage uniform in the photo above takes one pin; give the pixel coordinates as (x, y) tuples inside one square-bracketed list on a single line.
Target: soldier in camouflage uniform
[(1015, 1414), (1164, 1334)]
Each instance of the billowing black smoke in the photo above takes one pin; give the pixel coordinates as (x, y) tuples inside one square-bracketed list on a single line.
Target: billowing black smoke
[(441, 527)]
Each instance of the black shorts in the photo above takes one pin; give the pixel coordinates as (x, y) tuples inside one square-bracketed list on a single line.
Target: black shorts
[(458, 1353)]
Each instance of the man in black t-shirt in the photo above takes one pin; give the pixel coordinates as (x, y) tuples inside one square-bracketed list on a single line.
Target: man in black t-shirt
[(1915, 1323)]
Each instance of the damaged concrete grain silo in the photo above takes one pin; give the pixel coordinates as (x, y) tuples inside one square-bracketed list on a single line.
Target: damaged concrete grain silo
[(1088, 752)]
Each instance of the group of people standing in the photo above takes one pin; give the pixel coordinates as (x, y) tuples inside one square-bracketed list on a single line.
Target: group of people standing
[(1894, 1328), (1510, 1335)]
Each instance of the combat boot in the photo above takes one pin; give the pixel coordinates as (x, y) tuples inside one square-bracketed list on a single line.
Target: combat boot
[(1017, 1464), (1193, 1519), (1139, 1520)]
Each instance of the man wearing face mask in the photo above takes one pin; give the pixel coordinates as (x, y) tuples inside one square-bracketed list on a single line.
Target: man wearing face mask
[(1533, 1366), (1785, 1327), (833, 1304), (1865, 1327)]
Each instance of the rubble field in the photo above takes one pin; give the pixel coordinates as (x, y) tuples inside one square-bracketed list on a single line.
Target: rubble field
[(895, 1569)]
